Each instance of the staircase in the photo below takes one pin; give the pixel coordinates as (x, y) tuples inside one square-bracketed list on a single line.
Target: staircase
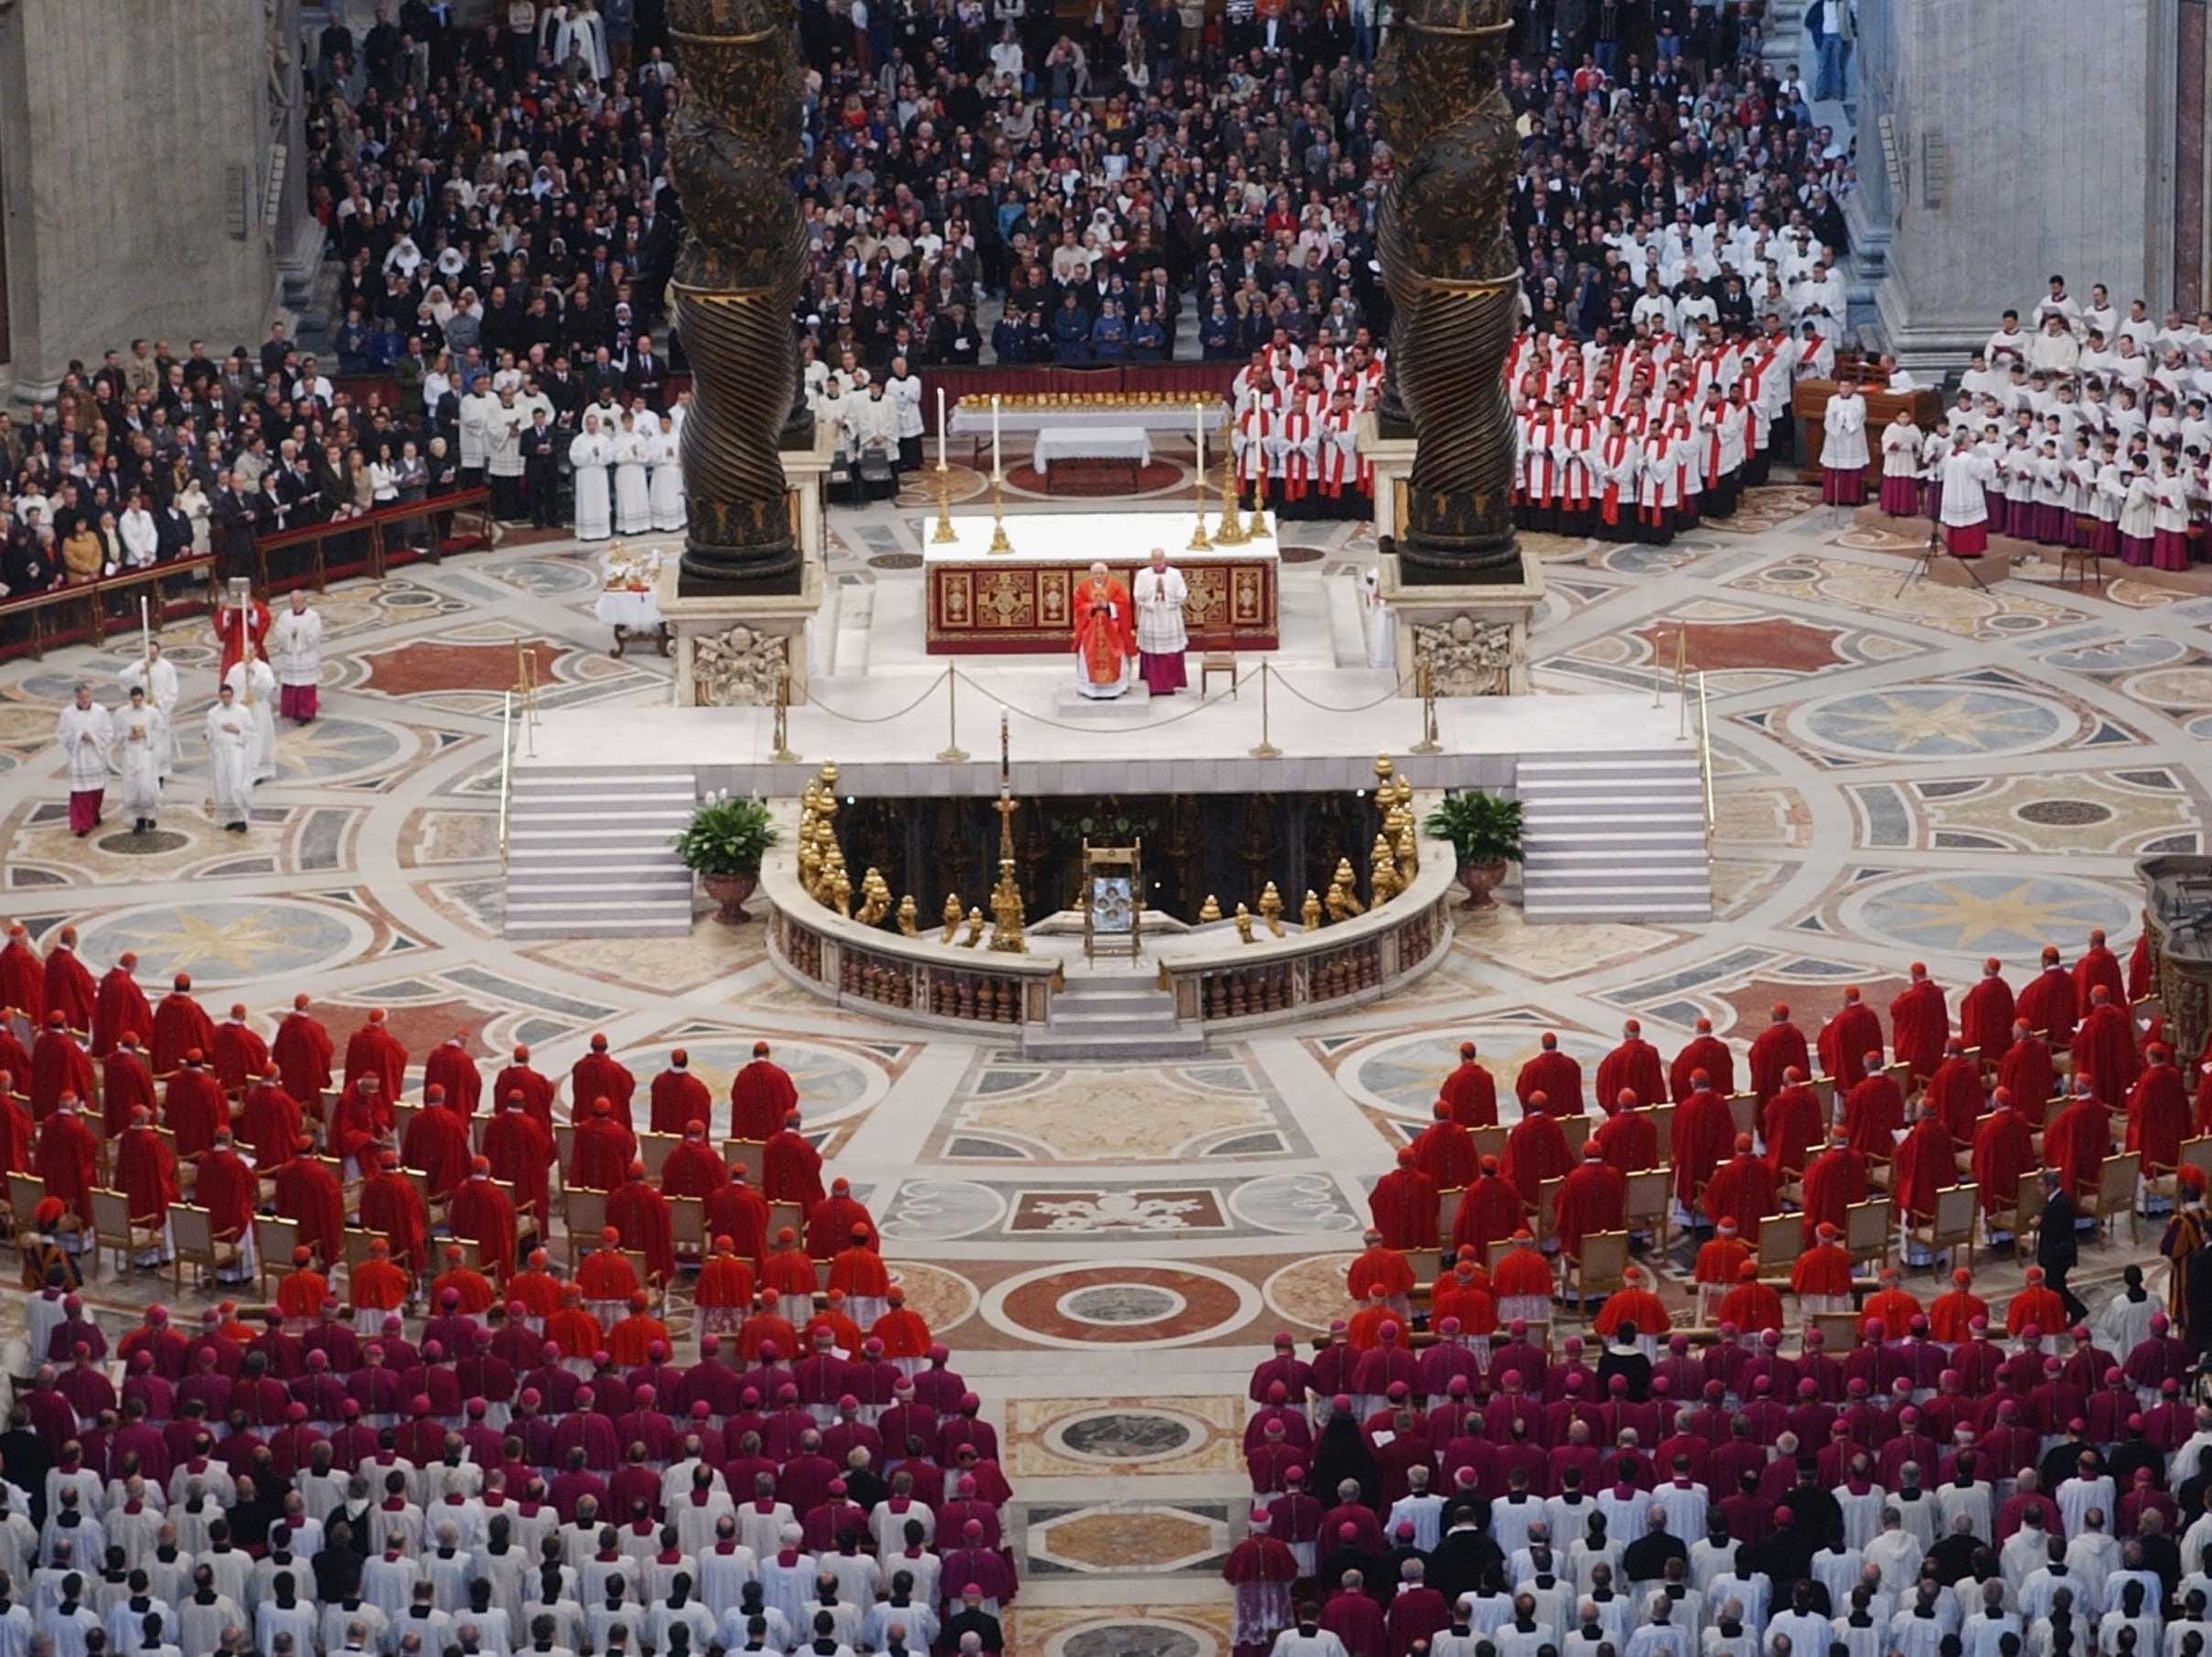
[(1120, 1016), (1614, 837), (589, 853)]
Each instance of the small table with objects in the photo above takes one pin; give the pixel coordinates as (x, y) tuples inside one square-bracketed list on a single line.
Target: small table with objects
[(628, 602), (1091, 459)]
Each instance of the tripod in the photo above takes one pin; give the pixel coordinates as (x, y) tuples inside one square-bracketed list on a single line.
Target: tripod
[(1925, 561)]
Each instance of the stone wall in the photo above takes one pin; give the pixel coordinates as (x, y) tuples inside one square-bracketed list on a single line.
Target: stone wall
[(133, 135)]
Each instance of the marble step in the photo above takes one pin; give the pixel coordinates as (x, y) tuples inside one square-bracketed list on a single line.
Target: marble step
[(1046, 1044)]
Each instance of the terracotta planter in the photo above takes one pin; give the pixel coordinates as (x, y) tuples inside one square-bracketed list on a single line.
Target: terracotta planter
[(731, 890), (1481, 880)]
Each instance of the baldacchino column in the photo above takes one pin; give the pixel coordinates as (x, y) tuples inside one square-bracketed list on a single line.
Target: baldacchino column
[(733, 143), (1454, 282)]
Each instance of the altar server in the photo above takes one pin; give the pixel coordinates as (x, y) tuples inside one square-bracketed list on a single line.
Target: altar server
[(1844, 456), (254, 682), (295, 643), (157, 674), (141, 738), (1161, 639), (85, 732), (230, 760)]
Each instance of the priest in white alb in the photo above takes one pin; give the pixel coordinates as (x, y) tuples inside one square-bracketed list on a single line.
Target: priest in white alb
[(230, 760), (85, 732), (295, 643), (1966, 474), (1162, 637), (254, 684), (156, 674), (1844, 453), (141, 738)]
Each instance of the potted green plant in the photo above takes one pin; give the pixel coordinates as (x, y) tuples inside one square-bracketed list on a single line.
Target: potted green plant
[(1484, 831), (727, 838)]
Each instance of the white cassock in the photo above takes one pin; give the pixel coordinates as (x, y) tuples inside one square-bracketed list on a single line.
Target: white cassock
[(632, 503), (255, 685), (161, 690), (666, 489), (142, 737), (594, 507), (1845, 423), (229, 762), (295, 643), (85, 733), (1160, 595)]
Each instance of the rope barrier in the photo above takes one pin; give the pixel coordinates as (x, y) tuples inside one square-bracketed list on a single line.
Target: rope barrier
[(1395, 691), (854, 719), (1150, 725)]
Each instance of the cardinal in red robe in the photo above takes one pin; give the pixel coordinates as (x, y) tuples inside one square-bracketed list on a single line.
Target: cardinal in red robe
[(391, 1204), (521, 1152), (1593, 1197), (1751, 1305), (307, 1194), (2004, 1149), (692, 1169), (2104, 1048), (1834, 1180), (19, 1134), (1823, 1271), (1632, 1304), (228, 621), (1627, 1139), (1536, 1150), (271, 1122), (1492, 1212), (1703, 1130), (1470, 1092), (2158, 1113), (57, 1066), (452, 1067), (228, 1189), (1634, 1066), (1792, 1124), (1926, 1161), (2048, 1003), (1954, 1092), (2079, 1139), (239, 1053), (193, 1106), (1846, 1039), (831, 1222), (1554, 1074), (121, 1005), (303, 1051), (22, 976), (1703, 1051), (1741, 1190), (1378, 1265), (1919, 1023), (1104, 635), (1985, 1012), (126, 1082), (436, 1145), (69, 990), (481, 1213), (1779, 1047), (791, 1169), (145, 1171), (180, 1024), (604, 1146), (373, 1049), (1445, 1152), (537, 1091), (680, 1097), (641, 1214), (760, 1097), (740, 1213), (68, 1159), (597, 1075), (2099, 967), (1873, 1112), (361, 1117), (2026, 1072), (1403, 1205)]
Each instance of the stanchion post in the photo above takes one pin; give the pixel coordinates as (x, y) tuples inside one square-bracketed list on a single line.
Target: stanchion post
[(1267, 750), (782, 755), (1425, 677), (952, 749)]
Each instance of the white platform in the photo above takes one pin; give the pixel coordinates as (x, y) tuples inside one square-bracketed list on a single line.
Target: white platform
[(1080, 538)]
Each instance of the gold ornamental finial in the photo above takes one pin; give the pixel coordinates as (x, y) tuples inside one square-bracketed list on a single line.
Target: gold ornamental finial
[(950, 915), (1243, 924), (908, 916), (1271, 909), (1309, 912), (1209, 910)]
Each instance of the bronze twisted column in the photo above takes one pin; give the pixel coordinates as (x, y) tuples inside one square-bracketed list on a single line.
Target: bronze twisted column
[(1455, 284), (742, 260)]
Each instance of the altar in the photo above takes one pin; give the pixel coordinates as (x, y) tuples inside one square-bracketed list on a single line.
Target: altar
[(1020, 602)]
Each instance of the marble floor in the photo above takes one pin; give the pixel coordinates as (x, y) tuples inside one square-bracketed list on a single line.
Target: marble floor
[(1929, 773)]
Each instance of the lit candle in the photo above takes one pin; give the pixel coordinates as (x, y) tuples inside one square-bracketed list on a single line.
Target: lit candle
[(1198, 423), (998, 468), (940, 428)]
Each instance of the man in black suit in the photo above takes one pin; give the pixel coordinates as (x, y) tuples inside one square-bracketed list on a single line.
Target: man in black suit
[(2057, 1249), (649, 375), (539, 480)]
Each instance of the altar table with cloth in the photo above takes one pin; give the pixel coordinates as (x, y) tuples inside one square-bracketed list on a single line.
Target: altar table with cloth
[(1019, 603)]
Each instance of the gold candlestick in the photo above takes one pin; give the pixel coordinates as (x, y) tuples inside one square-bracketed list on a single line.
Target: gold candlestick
[(1198, 541), (998, 542), (944, 532), (1229, 533), (1256, 526)]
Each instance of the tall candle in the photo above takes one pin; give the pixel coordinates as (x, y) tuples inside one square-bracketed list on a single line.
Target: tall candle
[(1198, 423), (940, 428), (998, 467)]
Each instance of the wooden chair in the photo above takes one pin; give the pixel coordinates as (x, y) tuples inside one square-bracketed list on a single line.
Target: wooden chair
[(1839, 1329), (1823, 1089), (402, 1117), (1488, 1142), (192, 1230), (113, 1226), (653, 1150), (688, 1225), (25, 1192), (2082, 566), (358, 1242), (1951, 1225), (1743, 1111), (1448, 1213), (1662, 1125), (584, 1212), (1603, 1264), (746, 1154), (187, 1171), (1650, 1201), (2027, 1213), (1866, 1229), (2194, 1153), (782, 1213), (2115, 1193), (274, 1241), (564, 1143), (1548, 1207), (1781, 1238)]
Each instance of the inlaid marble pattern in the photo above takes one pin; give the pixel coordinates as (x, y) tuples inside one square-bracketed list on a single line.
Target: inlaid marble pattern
[(1123, 1437)]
